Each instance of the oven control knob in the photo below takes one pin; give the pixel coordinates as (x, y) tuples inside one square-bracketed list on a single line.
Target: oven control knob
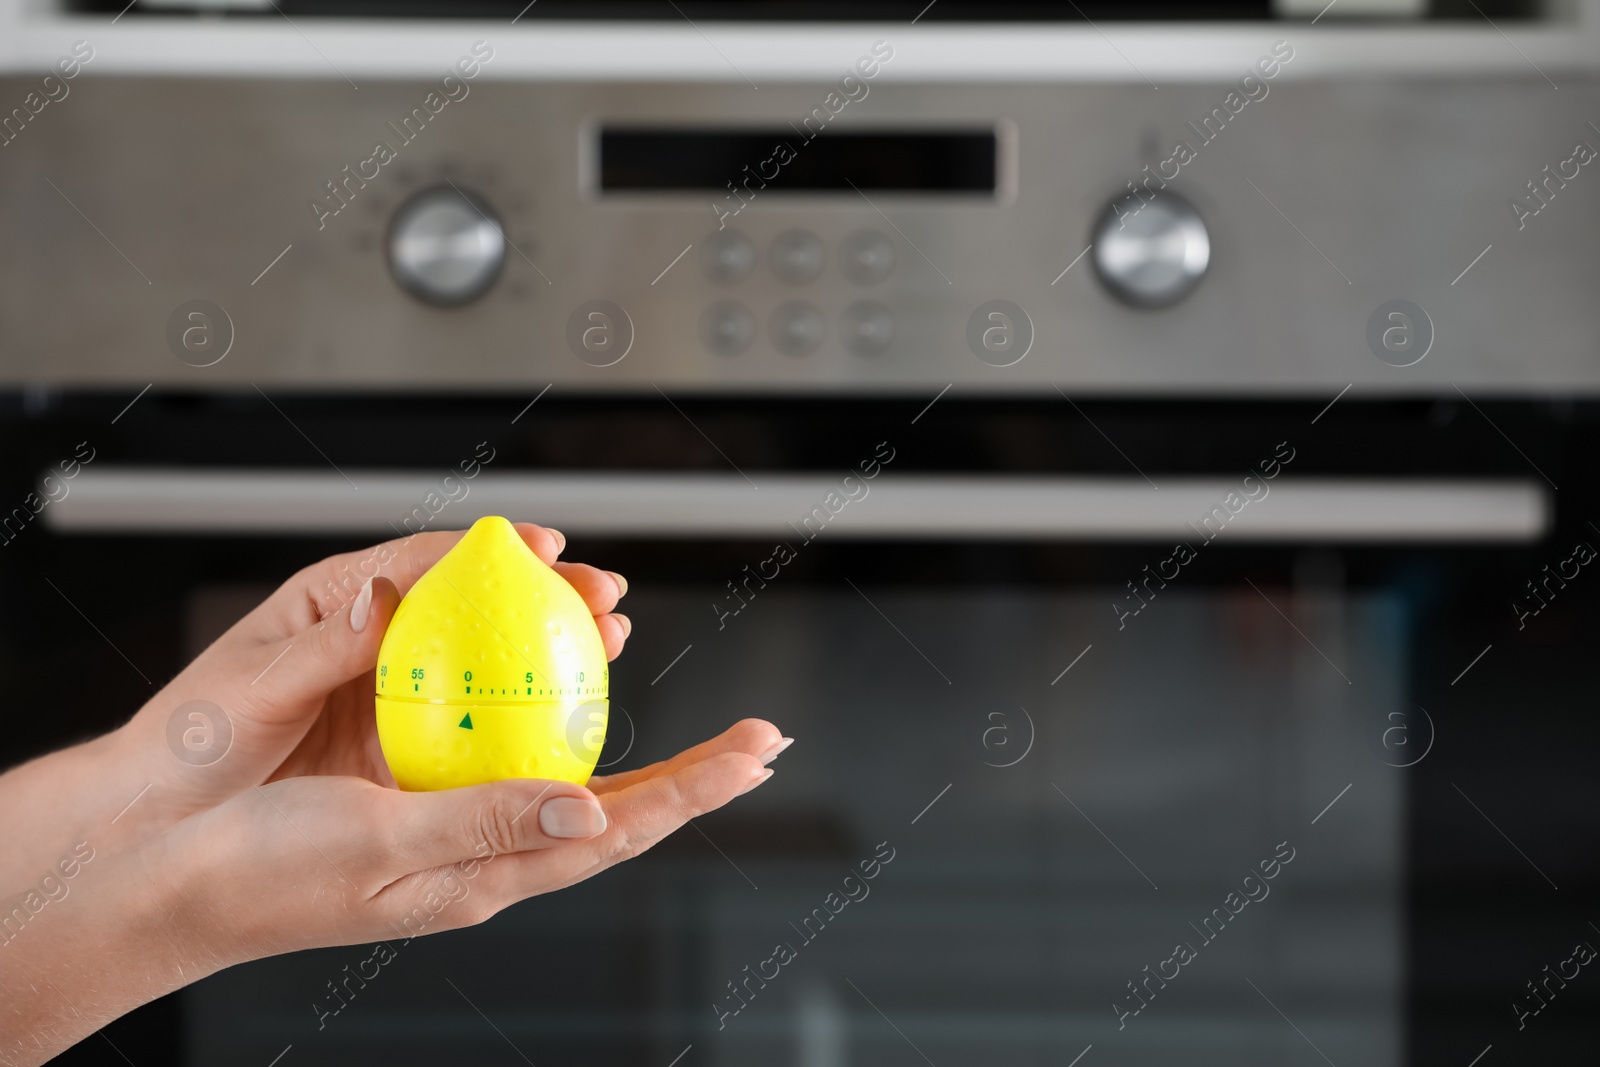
[(1151, 253), (445, 246)]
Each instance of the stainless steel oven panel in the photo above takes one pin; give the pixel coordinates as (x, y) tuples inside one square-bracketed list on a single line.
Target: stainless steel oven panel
[(136, 195)]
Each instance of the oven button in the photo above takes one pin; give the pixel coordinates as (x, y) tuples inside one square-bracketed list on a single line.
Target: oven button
[(445, 246), (727, 328), (1151, 253), (866, 257), (866, 328), (729, 256), (797, 329), (796, 257)]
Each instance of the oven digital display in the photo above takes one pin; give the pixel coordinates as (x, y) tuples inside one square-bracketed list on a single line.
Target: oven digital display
[(790, 160)]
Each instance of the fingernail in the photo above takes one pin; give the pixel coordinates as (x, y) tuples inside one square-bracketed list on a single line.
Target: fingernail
[(571, 817), (561, 540), (775, 751), (764, 776), (627, 625), (622, 583), (362, 607)]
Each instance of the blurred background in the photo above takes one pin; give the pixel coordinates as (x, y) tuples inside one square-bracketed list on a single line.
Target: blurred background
[(1176, 420)]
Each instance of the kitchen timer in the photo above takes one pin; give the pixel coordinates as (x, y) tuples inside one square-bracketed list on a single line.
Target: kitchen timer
[(491, 668)]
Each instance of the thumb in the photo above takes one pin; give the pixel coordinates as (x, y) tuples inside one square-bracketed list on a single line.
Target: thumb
[(477, 823), (306, 667)]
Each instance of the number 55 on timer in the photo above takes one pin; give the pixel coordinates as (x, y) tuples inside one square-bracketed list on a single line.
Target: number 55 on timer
[(491, 668)]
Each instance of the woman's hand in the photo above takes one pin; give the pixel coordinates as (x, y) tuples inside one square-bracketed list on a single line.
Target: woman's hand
[(211, 862), (287, 691)]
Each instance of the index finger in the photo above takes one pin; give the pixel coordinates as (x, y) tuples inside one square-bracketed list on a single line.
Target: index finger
[(752, 737)]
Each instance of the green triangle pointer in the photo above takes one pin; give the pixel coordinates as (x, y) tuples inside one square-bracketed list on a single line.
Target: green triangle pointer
[(466, 723)]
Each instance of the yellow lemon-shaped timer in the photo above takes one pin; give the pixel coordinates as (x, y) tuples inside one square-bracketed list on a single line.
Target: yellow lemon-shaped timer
[(492, 668)]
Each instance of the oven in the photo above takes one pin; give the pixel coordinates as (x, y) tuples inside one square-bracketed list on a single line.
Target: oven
[(1162, 515)]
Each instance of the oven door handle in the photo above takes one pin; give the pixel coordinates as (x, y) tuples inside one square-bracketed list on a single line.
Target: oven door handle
[(903, 506)]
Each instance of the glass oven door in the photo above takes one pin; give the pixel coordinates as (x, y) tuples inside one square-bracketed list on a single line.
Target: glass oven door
[(1124, 731)]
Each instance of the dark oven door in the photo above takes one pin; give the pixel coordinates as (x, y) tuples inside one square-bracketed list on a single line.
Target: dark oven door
[(1236, 732)]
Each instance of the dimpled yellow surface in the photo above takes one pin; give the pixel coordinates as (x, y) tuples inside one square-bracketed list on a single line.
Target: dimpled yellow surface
[(491, 668)]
